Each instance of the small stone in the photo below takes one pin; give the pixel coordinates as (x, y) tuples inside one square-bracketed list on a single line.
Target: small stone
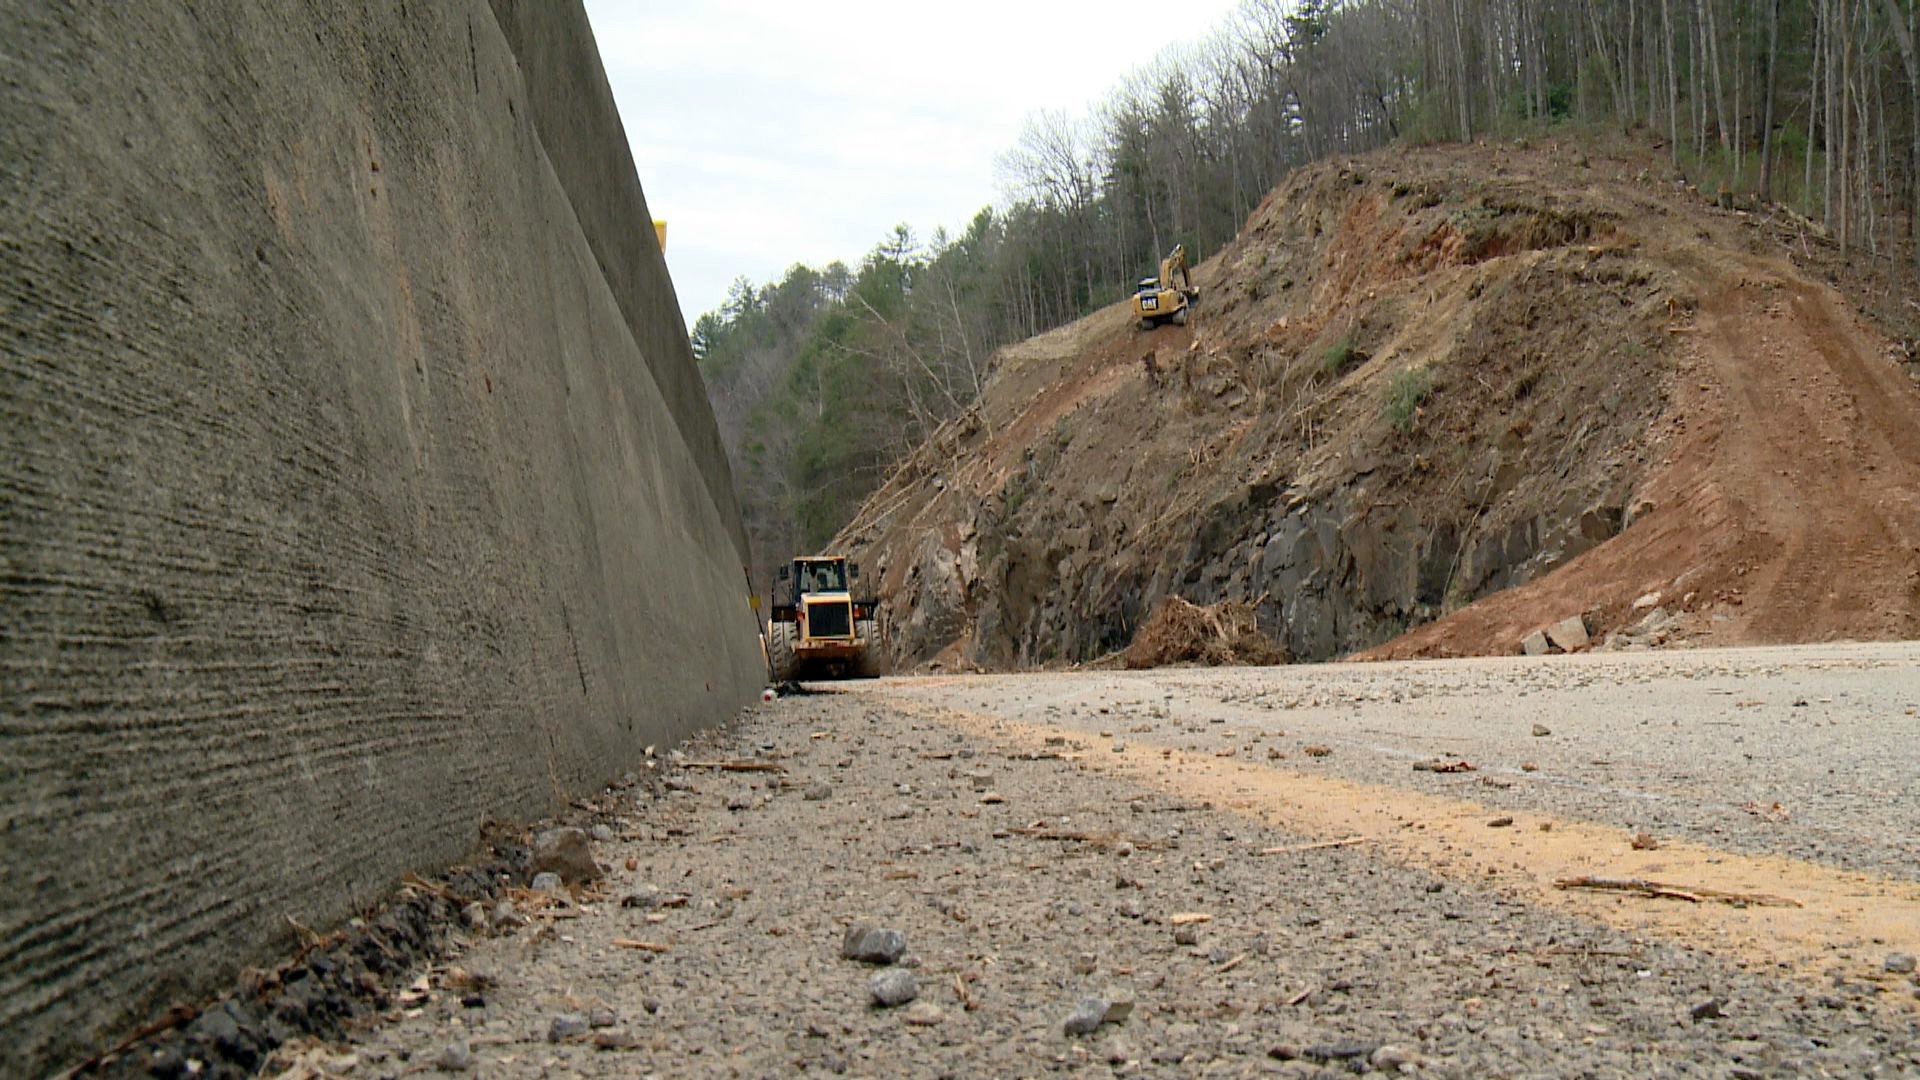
[(548, 882), (1345, 1050), (615, 1040), (740, 800), (873, 945), (1388, 1057), (992, 798), (1186, 935), (566, 1026), (1708, 1009), (1130, 908), (1541, 731), (923, 1014), (1317, 750), (602, 1017), (1284, 1051), (899, 812), (1500, 823), (1535, 644), (818, 791), (892, 987), (567, 852), (1085, 963), (1087, 1016), (474, 915), (456, 1056), (1900, 963), (1644, 842), (1123, 849), (505, 915), (603, 833)]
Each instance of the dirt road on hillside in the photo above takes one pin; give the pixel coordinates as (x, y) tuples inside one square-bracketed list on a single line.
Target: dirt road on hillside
[(1272, 867)]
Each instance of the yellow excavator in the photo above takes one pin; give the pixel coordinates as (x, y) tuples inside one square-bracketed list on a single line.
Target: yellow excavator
[(1170, 296)]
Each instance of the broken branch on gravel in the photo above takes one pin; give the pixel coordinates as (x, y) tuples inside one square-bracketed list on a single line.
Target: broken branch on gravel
[(1318, 846), (735, 766), (644, 946), (1097, 839), (1662, 890)]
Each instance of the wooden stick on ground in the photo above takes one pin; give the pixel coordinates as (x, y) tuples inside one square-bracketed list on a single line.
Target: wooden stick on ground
[(735, 766), (645, 946), (1663, 891), (1320, 846)]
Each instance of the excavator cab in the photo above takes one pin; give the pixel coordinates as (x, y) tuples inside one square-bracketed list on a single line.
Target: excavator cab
[(1170, 296)]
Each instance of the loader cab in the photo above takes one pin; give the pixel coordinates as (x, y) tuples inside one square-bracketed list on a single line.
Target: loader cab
[(804, 578)]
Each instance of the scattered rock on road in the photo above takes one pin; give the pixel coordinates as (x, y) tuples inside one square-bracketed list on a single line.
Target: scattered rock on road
[(1900, 963), (565, 1026), (873, 945), (456, 1056), (565, 851), (1087, 1016), (894, 986)]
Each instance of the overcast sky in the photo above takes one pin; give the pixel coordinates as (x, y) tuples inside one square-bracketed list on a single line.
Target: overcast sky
[(772, 133)]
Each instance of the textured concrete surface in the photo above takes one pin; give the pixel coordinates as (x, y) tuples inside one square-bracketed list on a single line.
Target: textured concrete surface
[(355, 482)]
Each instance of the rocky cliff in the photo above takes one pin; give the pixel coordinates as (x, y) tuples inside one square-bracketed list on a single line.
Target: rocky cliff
[(1415, 381)]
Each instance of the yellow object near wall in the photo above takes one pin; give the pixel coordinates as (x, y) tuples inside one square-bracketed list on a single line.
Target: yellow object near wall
[(660, 233)]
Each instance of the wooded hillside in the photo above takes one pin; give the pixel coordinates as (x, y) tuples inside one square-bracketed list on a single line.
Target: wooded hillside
[(823, 379)]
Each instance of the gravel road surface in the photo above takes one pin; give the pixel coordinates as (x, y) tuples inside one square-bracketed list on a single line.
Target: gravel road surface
[(1065, 908)]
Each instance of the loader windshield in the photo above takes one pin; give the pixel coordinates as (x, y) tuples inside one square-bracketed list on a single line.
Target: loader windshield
[(823, 576)]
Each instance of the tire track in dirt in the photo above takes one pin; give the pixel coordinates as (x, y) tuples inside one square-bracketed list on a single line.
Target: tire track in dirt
[(1840, 913)]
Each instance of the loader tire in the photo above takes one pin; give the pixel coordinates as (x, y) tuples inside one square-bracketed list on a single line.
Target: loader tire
[(780, 658), (867, 664)]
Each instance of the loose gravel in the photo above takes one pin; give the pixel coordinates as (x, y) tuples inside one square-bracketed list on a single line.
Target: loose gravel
[(1031, 893)]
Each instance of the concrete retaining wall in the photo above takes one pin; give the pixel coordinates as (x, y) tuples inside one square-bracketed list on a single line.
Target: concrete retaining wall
[(356, 483)]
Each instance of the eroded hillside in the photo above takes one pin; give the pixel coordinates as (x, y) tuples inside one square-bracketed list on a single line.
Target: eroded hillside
[(1415, 381)]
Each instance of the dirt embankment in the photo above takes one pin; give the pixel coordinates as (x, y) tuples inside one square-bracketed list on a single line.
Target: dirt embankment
[(1416, 381)]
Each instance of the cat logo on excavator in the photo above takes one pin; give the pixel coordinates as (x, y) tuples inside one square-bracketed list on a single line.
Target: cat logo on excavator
[(817, 629), (1170, 296)]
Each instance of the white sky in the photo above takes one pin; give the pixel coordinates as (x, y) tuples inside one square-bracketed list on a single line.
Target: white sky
[(771, 133)]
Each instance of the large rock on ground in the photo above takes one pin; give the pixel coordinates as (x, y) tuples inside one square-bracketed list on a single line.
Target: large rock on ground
[(1569, 633), (567, 852)]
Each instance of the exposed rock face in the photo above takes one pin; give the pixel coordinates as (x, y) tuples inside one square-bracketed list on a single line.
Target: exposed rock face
[(1263, 458)]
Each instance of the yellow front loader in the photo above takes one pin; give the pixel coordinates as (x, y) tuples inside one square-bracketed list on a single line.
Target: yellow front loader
[(817, 628)]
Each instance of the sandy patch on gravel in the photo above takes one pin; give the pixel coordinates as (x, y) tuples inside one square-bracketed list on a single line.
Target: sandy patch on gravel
[(1837, 911)]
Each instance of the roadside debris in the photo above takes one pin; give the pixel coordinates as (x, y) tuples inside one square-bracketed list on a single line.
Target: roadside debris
[(1443, 766), (1180, 631), (1663, 890), (893, 987), (873, 945), (1322, 845), (567, 852)]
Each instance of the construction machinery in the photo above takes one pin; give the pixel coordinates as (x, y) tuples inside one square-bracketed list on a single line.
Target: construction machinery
[(1170, 296), (816, 629)]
